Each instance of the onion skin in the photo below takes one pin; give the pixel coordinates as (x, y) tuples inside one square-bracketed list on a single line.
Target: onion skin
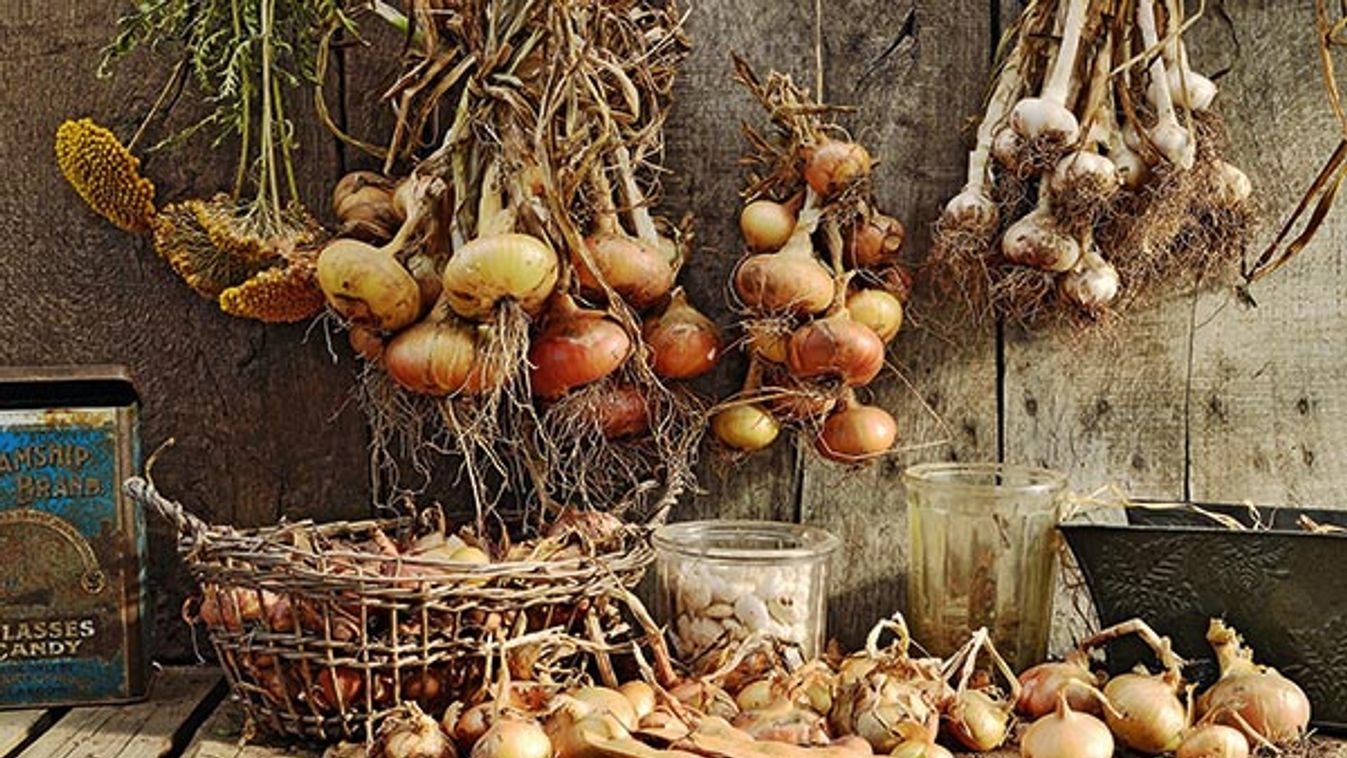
[(604, 701), (1150, 717), (878, 309), (1273, 706), (784, 283), (836, 346), (857, 433), (513, 738), (1213, 741), (366, 285), (683, 342), (415, 736), (978, 721), (641, 696), (472, 724), (498, 267), (875, 242), (623, 412), (746, 428), (832, 165), (576, 347), (363, 204), (436, 357), (920, 749), (638, 273), (1040, 685), (766, 225), (1065, 733), (338, 688)]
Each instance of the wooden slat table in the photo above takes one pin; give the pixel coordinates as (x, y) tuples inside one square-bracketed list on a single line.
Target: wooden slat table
[(189, 716)]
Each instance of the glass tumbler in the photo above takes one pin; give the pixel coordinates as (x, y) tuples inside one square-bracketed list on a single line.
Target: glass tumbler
[(982, 553), (720, 581)]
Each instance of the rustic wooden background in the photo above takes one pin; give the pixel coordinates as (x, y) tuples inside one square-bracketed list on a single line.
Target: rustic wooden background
[(1200, 398)]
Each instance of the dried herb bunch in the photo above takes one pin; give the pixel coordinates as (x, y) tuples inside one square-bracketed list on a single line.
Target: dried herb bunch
[(1098, 179), (517, 315)]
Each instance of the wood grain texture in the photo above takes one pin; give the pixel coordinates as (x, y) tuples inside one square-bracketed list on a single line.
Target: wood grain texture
[(222, 734), (1269, 391), (19, 727), (259, 412), (157, 728), (915, 69)]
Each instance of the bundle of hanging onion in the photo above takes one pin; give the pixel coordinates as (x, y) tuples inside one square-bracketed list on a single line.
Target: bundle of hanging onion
[(816, 288), (1097, 177)]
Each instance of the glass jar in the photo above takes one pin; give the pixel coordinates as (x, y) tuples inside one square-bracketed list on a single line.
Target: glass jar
[(982, 553), (720, 581)]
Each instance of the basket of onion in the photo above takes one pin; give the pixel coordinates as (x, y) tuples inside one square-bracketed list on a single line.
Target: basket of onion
[(323, 630)]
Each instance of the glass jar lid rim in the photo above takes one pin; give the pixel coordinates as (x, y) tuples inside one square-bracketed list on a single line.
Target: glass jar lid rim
[(1037, 479), (690, 538)]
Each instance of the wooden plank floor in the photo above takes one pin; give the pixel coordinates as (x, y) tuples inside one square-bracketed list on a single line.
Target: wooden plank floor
[(188, 716)]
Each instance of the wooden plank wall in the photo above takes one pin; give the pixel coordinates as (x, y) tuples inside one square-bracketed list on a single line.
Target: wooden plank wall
[(1197, 398)]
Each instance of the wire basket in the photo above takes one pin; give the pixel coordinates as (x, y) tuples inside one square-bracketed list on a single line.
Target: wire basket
[(323, 644)]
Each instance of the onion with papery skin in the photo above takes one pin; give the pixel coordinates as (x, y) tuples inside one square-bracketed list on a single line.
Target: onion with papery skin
[(791, 280), (920, 749), (1272, 705), (857, 433), (415, 735), (832, 165), (836, 346), (766, 225), (575, 347), (759, 695), (745, 427), (366, 343), (683, 342), (439, 356), (767, 341), (499, 267), (782, 722), (1213, 741), (641, 696), (622, 412), (470, 725), (338, 687), (978, 721), (513, 737), (1065, 733), (878, 309), (1040, 685), (638, 273), (362, 201), (874, 242), (1149, 716), (601, 700), (366, 285)]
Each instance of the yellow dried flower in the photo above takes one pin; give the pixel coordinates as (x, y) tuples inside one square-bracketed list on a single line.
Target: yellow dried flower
[(105, 174), (182, 238), (279, 295)]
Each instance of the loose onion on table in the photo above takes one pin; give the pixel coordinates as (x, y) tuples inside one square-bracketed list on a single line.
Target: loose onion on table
[(413, 735), (1040, 685), (1065, 733), (513, 737), (1144, 710), (979, 718), (1213, 741), (1273, 706)]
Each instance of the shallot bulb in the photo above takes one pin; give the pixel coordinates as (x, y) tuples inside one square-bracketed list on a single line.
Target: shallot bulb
[(1213, 741), (878, 309), (575, 347), (683, 342), (745, 427), (1146, 715), (979, 721), (639, 273), (791, 280), (832, 165), (836, 346), (875, 241), (1040, 685), (415, 735), (441, 355), (1065, 733), (1272, 705), (622, 412), (766, 225), (857, 433)]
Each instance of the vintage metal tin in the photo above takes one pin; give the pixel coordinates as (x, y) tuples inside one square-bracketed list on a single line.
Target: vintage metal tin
[(72, 546)]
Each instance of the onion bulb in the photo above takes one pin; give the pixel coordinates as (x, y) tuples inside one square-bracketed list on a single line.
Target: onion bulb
[(499, 267), (338, 687), (1040, 685), (878, 309), (575, 347), (1273, 706), (366, 285), (978, 721), (363, 204), (683, 342), (513, 737), (920, 749), (857, 433), (767, 340), (1065, 733), (439, 356), (366, 342), (601, 700), (874, 242), (639, 273), (766, 225), (471, 724), (641, 696), (1213, 741), (832, 165), (758, 695), (791, 280), (1147, 715), (836, 346), (621, 412), (745, 427), (415, 735)]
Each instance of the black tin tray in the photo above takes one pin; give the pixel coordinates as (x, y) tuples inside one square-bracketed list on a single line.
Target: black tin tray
[(1283, 588)]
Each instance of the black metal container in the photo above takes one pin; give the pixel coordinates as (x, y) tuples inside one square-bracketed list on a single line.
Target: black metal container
[(72, 546), (1283, 587)]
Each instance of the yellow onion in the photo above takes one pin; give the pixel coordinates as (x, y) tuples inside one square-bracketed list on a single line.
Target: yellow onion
[(767, 340), (791, 280), (875, 241), (513, 737), (1065, 733), (605, 701), (1272, 705), (415, 735), (639, 273), (1149, 716), (500, 267), (1040, 685), (745, 427), (832, 165), (1213, 741), (857, 433), (366, 285), (979, 721), (683, 342), (575, 347), (758, 695), (877, 309), (362, 201), (439, 356), (836, 346), (920, 749), (641, 696), (583, 736), (766, 225)]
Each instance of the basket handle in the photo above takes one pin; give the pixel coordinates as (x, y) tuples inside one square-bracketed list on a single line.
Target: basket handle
[(142, 491)]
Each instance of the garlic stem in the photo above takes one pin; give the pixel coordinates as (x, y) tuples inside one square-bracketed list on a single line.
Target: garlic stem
[(1059, 80), (1046, 117), (1009, 86), (1169, 137)]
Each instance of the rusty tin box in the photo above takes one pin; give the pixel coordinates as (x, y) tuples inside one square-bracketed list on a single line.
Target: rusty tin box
[(72, 546)]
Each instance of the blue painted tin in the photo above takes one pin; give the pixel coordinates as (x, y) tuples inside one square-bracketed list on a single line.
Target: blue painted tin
[(73, 613)]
